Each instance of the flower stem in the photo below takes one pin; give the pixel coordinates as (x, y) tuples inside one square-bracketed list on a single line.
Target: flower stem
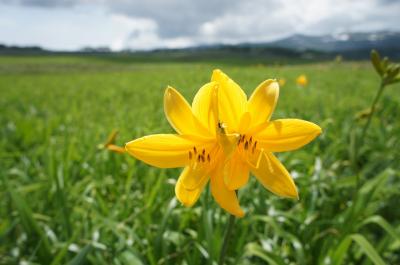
[(365, 129), (227, 236), (373, 107)]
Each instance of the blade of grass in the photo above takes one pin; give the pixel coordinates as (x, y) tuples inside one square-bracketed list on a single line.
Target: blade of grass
[(30, 226), (80, 258)]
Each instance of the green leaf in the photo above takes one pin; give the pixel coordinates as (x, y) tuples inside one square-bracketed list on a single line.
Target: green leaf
[(289, 237), (158, 246), (368, 249), (30, 226), (342, 250), (81, 257), (380, 221), (129, 257), (63, 252), (254, 250), (340, 253), (376, 62)]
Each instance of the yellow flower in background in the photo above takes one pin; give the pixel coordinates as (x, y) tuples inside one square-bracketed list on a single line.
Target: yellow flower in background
[(281, 82), (222, 137), (302, 80)]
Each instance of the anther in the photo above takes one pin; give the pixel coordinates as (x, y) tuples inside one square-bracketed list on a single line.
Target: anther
[(198, 158), (208, 158), (194, 150), (204, 152), (255, 144), (246, 145), (251, 140), (203, 159), (190, 155)]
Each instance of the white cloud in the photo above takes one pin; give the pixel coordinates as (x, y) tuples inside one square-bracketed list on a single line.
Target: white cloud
[(69, 28), (136, 24), (143, 30)]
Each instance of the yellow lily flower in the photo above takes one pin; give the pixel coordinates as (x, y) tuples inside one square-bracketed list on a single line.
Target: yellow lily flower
[(221, 137), (302, 80)]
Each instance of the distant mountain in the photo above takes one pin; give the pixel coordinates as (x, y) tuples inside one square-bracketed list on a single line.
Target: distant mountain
[(347, 43), (296, 47), (356, 45)]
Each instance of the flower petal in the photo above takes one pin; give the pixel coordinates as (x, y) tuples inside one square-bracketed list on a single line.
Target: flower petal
[(263, 101), (245, 122), (188, 197), (180, 116), (193, 176), (274, 176), (226, 198), (232, 100), (200, 166), (236, 172), (286, 134), (162, 150), (205, 106)]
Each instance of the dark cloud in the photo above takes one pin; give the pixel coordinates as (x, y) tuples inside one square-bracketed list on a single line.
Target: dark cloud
[(175, 18)]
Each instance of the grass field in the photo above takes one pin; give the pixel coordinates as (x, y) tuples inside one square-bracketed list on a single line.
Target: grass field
[(62, 199)]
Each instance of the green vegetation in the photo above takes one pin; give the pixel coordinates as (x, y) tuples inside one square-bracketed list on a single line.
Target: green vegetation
[(64, 200)]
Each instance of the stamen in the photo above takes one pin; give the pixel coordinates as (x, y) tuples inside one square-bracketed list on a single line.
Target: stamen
[(203, 159), (190, 155), (198, 158), (194, 150), (251, 140), (255, 144), (204, 152), (246, 145), (253, 149), (208, 158)]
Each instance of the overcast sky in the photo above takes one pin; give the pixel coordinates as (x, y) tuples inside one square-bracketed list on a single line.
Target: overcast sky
[(148, 24)]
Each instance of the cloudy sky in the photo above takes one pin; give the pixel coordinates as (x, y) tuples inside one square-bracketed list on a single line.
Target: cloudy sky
[(148, 24)]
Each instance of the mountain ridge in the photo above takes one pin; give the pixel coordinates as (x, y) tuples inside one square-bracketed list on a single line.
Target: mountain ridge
[(354, 45)]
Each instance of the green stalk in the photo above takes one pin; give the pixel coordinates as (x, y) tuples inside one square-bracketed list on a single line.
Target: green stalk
[(373, 107), (227, 237), (365, 129)]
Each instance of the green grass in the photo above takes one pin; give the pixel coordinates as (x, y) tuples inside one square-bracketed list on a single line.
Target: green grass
[(63, 200)]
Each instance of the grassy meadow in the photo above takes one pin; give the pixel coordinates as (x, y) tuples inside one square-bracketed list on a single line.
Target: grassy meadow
[(64, 200)]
